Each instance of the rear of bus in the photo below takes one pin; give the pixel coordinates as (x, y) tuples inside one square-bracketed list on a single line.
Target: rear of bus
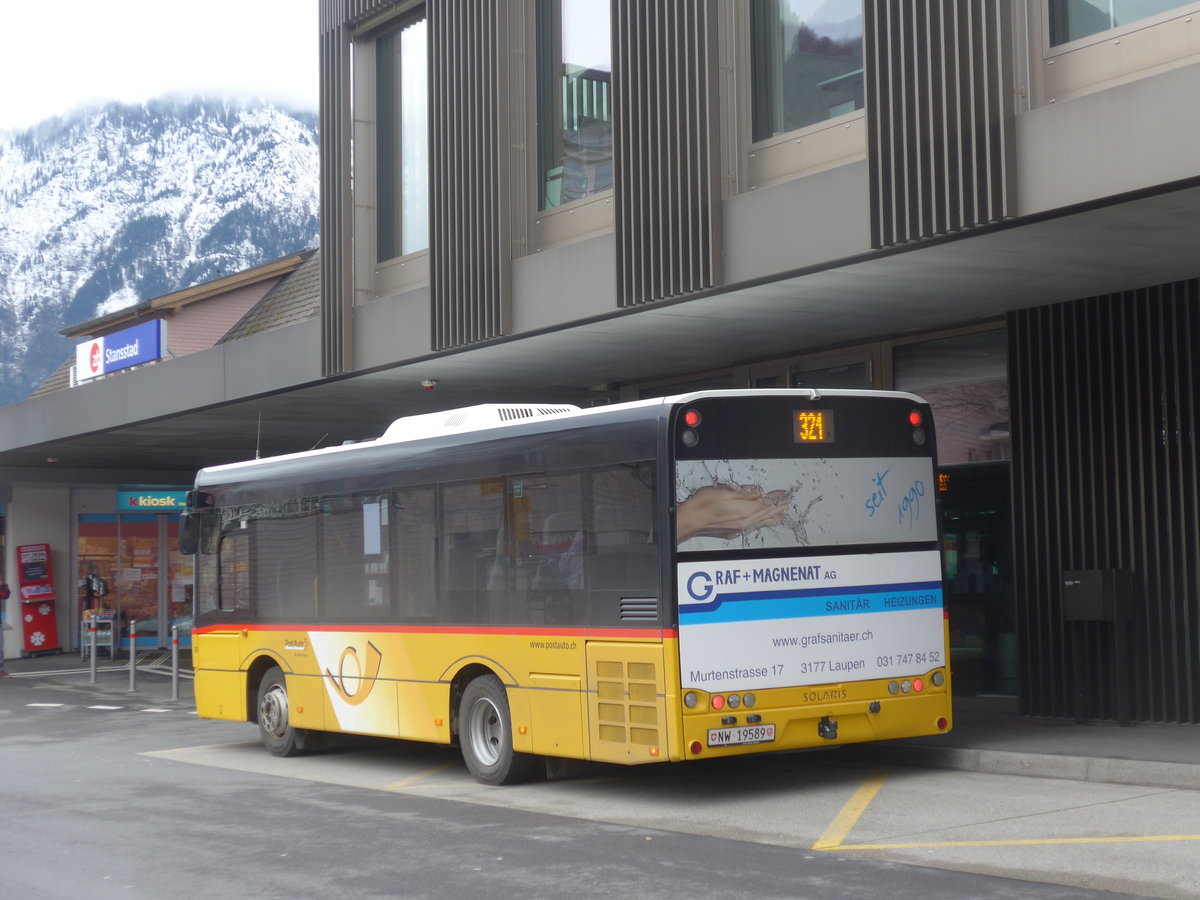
[(808, 570)]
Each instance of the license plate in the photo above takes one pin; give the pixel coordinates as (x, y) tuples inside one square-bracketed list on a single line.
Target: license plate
[(743, 734)]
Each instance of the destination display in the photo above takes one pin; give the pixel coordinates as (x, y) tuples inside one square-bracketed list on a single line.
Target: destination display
[(812, 426), (809, 620)]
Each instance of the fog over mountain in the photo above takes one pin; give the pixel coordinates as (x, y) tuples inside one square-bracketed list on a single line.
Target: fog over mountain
[(114, 205)]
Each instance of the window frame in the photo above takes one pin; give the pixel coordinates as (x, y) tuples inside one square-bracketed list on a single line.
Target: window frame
[(1181, 10), (571, 221), (375, 277), (1106, 58), (812, 148)]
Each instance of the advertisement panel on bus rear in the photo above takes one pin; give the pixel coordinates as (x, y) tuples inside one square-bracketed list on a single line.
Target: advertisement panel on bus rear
[(793, 621), (777, 503)]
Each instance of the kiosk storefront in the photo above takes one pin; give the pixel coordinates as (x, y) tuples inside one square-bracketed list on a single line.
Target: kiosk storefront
[(128, 563)]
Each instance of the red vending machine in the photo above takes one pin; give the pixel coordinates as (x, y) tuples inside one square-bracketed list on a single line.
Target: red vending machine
[(38, 620)]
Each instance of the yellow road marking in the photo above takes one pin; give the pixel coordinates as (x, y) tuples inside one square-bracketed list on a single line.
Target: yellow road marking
[(850, 813), (1129, 839), (413, 779)]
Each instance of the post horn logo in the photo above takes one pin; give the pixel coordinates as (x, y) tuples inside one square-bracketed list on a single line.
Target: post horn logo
[(361, 679)]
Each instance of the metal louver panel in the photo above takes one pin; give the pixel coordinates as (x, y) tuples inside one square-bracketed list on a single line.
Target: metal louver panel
[(335, 18), (639, 609), (337, 288), (1106, 475), (939, 108), (357, 10), (469, 266), (665, 160)]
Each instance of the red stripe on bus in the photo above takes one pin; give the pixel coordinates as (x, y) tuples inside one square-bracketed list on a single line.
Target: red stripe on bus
[(454, 629)]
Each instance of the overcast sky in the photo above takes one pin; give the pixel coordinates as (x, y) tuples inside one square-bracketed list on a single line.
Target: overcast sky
[(58, 55)]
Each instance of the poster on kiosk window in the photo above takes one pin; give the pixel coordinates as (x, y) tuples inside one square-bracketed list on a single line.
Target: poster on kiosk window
[(39, 624)]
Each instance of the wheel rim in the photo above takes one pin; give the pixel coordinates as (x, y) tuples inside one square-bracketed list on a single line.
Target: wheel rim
[(485, 731), (273, 711)]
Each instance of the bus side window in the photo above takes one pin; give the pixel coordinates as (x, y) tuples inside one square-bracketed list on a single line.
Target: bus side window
[(234, 579), (414, 538), (353, 562), (551, 569), (626, 557), (285, 566), (472, 591)]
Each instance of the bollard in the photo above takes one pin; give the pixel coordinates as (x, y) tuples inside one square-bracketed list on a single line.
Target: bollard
[(133, 655), (174, 662), (92, 646)]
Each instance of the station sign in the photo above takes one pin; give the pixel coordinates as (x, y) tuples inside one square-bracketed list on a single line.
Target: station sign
[(129, 347)]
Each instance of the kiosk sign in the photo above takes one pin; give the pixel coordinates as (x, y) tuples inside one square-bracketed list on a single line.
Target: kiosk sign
[(151, 500), (130, 347)]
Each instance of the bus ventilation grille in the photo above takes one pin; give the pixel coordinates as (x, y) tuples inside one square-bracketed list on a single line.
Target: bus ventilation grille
[(627, 702), (639, 609), (514, 413), (470, 418)]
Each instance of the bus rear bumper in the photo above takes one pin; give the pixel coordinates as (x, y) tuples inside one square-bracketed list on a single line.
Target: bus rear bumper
[(852, 722)]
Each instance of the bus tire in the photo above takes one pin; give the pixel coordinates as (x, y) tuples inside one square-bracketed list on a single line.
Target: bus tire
[(274, 716), (485, 735)]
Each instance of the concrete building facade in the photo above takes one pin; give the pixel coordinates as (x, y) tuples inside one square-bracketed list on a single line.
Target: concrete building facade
[(994, 203)]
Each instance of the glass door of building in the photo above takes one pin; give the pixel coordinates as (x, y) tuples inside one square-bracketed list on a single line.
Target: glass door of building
[(977, 542), (965, 379), (129, 564), (857, 368)]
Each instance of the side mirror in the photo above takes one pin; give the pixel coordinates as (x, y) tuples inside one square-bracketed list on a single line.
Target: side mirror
[(198, 532), (189, 533), (210, 533)]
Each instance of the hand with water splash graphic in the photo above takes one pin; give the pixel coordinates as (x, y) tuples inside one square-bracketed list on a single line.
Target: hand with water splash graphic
[(725, 511)]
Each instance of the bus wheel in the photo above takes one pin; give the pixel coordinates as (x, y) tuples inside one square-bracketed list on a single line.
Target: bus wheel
[(278, 735), (485, 735)]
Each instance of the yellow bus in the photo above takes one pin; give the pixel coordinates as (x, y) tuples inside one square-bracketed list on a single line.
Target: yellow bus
[(697, 576)]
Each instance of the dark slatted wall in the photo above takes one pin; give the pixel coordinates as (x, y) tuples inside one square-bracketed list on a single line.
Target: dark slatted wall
[(939, 108), (336, 19), (1106, 408), (334, 126), (665, 160), (468, 218)]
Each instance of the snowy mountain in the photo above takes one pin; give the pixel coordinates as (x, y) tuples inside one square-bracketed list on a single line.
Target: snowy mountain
[(115, 205)]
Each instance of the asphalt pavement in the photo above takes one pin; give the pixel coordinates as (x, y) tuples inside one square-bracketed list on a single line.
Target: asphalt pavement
[(989, 734)]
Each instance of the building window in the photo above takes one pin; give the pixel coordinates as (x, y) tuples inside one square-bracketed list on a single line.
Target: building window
[(714, 381), (574, 87), (402, 151), (965, 380), (1071, 20), (807, 62)]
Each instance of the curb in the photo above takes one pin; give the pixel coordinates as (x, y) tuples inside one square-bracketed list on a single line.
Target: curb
[(1144, 773)]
